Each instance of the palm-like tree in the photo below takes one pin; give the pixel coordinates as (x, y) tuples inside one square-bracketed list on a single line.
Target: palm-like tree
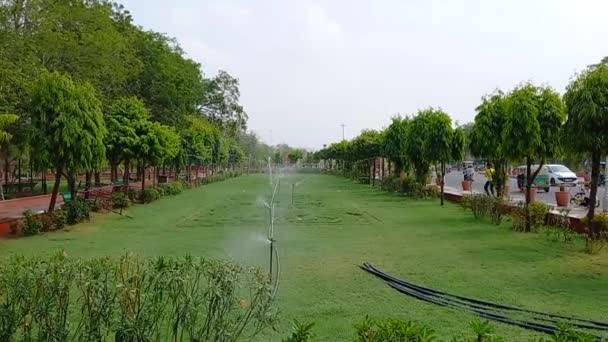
[(5, 136)]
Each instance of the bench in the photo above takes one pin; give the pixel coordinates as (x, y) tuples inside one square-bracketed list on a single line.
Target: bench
[(67, 196)]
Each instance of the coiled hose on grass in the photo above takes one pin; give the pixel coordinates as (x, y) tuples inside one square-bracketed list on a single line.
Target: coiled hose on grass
[(483, 308)]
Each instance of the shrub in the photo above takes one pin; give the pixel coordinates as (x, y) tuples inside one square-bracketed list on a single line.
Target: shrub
[(32, 224), (120, 201), (150, 195), (559, 228), (596, 242), (161, 191), (96, 205), (518, 217), (53, 221), (302, 332), (77, 210), (132, 194), (477, 203), (391, 184), (59, 218), (538, 214), (131, 299), (392, 330)]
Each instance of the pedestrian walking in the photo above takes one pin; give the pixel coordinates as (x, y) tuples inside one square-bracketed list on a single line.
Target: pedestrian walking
[(489, 186)]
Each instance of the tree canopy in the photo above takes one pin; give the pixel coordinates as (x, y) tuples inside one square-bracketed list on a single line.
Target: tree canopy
[(68, 127)]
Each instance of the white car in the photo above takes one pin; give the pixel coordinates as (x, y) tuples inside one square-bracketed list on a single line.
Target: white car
[(559, 174)]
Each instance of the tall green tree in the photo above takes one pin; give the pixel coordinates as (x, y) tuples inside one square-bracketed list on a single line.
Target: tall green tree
[(415, 151), (5, 136), (295, 155), (437, 143), (395, 141), (170, 85), (586, 129), (532, 130), (486, 136), (125, 121), (68, 127), (366, 147), (220, 102)]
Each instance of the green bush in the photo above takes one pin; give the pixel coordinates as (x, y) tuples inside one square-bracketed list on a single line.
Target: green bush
[(392, 330), (131, 299), (120, 201), (161, 191), (132, 194), (77, 210), (150, 195), (53, 221), (302, 332), (538, 214), (32, 224)]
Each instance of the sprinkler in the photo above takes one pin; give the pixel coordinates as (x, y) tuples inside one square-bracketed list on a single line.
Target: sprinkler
[(273, 249)]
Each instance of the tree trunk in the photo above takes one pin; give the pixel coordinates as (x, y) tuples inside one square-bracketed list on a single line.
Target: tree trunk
[(442, 180), (374, 172), (55, 189), (44, 185), (72, 185), (97, 178), (87, 183), (143, 184), (126, 176), (6, 168), (594, 228), (19, 185), (1, 190), (528, 190)]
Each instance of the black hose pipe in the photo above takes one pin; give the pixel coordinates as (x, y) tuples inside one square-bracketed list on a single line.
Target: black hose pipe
[(598, 325)]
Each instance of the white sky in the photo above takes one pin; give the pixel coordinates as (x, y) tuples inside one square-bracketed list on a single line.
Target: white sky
[(306, 66)]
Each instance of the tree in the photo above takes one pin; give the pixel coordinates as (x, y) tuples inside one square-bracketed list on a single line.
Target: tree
[(486, 135), (457, 147), (366, 147), (5, 136), (197, 142), (437, 142), (535, 116), (394, 144), (415, 151), (586, 130), (295, 155), (68, 127), (169, 84), (221, 102), (125, 117)]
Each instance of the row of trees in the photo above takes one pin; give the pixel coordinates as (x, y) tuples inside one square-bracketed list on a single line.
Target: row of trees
[(411, 144), (84, 88), (531, 124)]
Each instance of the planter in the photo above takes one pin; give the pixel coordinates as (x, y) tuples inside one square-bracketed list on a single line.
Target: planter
[(466, 185), (562, 198)]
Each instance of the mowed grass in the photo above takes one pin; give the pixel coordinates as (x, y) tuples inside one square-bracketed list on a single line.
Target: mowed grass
[(333, 227)]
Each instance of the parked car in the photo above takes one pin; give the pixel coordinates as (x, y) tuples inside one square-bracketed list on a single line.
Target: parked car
[(560, 175)]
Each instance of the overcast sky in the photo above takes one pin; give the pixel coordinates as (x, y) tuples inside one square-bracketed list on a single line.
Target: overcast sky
[(307, 66)]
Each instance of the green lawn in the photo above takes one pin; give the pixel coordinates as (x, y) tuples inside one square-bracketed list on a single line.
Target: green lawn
[(335, 226)]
